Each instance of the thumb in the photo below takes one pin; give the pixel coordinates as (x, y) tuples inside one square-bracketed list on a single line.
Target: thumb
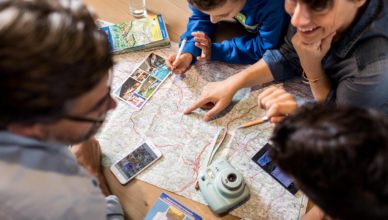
[(218, 107), (176, 62)]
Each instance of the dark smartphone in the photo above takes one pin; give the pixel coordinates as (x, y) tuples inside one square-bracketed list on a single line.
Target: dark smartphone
[(262, 159)]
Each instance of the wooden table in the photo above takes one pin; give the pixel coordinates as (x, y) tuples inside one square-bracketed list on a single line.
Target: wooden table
[(137, 197)]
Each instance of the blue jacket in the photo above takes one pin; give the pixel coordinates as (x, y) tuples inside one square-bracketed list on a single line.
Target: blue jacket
[(356, 64), (265, 19)]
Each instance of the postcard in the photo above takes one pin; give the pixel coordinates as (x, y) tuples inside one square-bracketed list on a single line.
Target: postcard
[(167, 208), (144, 81)]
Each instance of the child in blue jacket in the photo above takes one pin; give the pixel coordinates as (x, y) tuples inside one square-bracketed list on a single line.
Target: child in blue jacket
[(265, 20)]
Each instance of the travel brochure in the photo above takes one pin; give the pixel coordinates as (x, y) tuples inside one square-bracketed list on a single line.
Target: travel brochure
[(138, 34), (167, 208), (142, 83)]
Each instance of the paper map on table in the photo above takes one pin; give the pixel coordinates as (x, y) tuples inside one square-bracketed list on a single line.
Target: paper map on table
[(184, 140)]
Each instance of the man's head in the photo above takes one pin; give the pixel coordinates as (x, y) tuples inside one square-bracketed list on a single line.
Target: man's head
[(219, 10), (338, 156), (54, 66)]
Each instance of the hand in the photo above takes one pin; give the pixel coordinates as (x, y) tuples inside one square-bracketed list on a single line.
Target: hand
[(205, 43), (277, 102), (88, 155), (179, 66), (215, 97), (311, 55)]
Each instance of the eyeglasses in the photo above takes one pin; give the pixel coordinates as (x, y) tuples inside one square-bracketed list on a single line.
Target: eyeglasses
[(99, 120)]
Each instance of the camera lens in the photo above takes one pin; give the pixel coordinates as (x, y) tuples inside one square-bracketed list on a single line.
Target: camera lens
[(232, 177)]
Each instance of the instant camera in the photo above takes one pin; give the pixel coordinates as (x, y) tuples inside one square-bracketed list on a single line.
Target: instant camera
[(221, 185)]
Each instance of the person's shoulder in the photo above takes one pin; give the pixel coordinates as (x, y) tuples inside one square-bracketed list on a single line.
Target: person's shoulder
[(49, 195), (371, 50)]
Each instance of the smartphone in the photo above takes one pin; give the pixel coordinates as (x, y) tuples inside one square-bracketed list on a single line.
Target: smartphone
[(262, 159), (135, 162)]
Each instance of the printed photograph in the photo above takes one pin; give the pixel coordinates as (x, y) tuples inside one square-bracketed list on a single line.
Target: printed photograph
[(152, 62), (140, 75), (136, 100), (128, 88), (148, 87), (161, 72)]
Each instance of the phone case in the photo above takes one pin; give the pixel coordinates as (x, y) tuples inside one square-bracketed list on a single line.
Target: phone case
[(135, 162), (272, 169)]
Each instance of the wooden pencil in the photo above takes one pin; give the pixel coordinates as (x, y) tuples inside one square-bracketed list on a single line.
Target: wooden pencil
[(255, 122)]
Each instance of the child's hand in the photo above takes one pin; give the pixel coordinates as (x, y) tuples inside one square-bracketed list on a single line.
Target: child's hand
[(205, 43), (215, 97), (179, 66), (277, 102)]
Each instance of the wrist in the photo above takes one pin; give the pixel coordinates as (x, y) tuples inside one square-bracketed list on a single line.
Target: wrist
[(234, 83)]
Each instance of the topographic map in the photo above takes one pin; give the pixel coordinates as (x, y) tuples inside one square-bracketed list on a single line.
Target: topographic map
[(185, 140)]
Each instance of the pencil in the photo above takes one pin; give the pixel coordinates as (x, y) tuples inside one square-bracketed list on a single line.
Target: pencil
[(255, 122), (179, 53), (180, 49)]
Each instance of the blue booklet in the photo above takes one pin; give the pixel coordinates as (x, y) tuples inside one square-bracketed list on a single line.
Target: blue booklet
[(167, 208)]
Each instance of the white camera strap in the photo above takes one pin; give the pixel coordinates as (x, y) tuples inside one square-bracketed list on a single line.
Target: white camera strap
[(216, 143)]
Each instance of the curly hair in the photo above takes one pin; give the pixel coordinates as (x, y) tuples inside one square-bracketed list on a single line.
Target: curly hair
[(51, 52), (338, 157)]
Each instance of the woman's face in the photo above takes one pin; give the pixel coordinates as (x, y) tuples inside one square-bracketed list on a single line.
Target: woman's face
[(315, 24)]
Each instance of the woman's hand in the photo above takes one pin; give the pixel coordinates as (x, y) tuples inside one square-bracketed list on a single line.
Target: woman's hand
[(277, 102), (215, 97), (311, 55)]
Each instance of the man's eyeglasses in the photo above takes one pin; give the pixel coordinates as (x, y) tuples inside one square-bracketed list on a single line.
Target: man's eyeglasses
[(99, 120)]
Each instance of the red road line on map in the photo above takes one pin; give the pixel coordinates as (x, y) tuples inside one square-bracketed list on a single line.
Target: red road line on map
[(196, 167)]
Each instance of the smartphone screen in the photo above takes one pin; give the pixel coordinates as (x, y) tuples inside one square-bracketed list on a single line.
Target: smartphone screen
[(136, 161), (265, 162)]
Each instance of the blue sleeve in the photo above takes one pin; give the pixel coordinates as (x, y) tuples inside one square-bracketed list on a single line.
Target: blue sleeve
[(250, 48), (284, 62), (198, 21)]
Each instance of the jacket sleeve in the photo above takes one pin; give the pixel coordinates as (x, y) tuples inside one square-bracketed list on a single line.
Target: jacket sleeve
[(198, 21), (114, 211), (251, 47), (284, 62)]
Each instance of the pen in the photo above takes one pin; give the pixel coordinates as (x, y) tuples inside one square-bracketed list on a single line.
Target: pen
[(255, 122), (179, 52)]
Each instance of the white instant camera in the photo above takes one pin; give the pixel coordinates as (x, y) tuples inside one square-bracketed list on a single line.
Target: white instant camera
[(221, 185)]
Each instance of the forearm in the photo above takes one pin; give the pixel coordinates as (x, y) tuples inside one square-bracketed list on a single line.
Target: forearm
[(320, 84), (256, 74)]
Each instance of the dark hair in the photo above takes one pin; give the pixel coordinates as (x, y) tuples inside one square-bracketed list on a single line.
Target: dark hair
[(338, 157), (207, 5), (50, 53), (318, 4)]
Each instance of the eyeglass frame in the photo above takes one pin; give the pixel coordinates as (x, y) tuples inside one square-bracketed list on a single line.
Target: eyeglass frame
[(98, 120)]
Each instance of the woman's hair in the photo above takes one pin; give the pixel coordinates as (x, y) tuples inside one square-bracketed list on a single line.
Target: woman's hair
[(319, 4), (338, 157), (51, 52)]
